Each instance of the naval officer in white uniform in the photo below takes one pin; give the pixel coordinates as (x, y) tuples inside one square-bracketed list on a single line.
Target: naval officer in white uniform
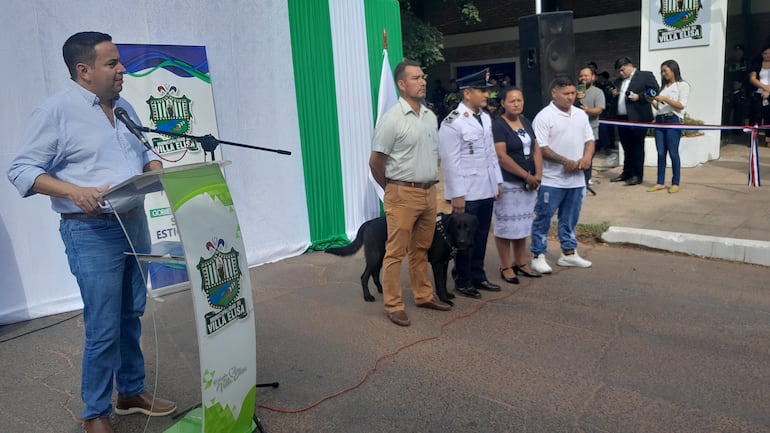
[(472, 177)]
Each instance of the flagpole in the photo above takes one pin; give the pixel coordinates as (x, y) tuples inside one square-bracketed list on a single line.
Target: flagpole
[(384, 39)]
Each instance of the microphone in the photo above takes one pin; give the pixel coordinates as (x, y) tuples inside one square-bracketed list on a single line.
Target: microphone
[(122, 115)]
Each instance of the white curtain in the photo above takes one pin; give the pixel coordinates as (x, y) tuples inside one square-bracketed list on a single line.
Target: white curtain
[(351, 75), (249, 52)]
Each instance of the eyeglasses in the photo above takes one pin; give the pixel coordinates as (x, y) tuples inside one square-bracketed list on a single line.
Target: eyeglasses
[(521, 132)]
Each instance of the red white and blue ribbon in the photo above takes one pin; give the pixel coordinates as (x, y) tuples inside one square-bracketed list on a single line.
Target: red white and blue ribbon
[(754, 130), (682, 126), (754, 158)]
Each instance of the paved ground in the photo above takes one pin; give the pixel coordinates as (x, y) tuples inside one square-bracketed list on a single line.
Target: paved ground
[(714, 199), (645, 341)]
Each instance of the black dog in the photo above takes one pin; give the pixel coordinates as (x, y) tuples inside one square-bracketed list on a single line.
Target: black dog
[(453, 232)]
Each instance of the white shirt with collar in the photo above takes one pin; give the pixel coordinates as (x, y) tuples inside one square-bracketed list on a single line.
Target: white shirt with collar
[(622, 109), (468, 159), (567, 135)]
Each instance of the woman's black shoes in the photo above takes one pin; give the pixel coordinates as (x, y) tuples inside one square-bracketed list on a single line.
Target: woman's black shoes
[(514, 280), (531, 273)]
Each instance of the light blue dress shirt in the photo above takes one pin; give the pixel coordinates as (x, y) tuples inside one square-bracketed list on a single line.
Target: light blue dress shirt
[(69, 138)]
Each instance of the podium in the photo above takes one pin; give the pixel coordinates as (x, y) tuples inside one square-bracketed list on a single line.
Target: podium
[(211, 248)]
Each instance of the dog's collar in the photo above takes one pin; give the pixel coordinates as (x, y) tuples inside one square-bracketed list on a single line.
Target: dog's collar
[(442, 231)]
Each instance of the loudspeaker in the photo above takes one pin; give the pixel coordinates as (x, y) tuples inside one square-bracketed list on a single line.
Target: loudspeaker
[(547, 49)]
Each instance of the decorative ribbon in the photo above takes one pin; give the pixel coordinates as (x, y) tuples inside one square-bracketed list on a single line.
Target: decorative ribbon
[(754, 158), (753, 130)]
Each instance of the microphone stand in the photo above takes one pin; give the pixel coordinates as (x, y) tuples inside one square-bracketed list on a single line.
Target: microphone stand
[(209, 143)]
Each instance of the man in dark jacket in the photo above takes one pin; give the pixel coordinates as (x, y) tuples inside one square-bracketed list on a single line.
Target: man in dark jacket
[(630, 90)]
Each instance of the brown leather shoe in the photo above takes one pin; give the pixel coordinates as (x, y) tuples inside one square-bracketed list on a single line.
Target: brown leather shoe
[(97, 425), (144, 403), (435, 305), (399, 318)]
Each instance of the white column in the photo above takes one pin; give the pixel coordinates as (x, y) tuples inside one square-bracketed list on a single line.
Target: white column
[(701, 66)]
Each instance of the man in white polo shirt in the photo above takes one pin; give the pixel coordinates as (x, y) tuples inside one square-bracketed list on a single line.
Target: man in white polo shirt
[(567, 142)]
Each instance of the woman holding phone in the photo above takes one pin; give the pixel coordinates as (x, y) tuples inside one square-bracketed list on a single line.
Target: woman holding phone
[(522, 166), (669, 103)]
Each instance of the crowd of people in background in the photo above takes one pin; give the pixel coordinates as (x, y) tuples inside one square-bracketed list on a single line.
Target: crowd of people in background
[(746, 85), (514, 173)]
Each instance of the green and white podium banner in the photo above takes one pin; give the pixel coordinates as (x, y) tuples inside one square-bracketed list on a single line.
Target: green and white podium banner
[(221, 289)]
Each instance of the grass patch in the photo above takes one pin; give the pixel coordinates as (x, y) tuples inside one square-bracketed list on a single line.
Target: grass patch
[(585, 233)]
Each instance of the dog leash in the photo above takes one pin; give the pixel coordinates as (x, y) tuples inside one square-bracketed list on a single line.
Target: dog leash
[(442, 231)]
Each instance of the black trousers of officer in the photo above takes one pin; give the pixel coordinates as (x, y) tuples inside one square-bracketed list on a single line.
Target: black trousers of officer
[(470, 263)]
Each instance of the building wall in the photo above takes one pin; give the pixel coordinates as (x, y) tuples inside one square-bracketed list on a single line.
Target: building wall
[(602, 46), (506, 13)]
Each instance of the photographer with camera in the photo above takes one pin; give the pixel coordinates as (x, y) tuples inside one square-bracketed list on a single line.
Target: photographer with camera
[(632, 105), (669, 103)]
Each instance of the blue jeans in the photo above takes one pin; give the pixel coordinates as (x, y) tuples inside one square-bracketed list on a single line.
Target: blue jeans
[(113, 291), (568, 201), (667, 140), (470, 262)]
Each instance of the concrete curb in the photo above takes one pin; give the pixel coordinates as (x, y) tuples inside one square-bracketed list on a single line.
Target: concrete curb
[(738, 250)]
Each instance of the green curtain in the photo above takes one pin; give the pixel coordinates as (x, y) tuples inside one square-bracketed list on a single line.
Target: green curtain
[(313, 59), (382, 14)]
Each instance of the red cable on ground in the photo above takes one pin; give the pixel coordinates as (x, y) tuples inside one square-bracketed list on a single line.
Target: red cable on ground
[(373, 368)]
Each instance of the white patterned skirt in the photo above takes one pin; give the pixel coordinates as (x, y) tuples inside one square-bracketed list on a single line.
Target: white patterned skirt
[(514, 212)]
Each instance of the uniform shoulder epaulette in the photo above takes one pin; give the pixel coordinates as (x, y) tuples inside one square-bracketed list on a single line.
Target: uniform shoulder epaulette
[(451, 116)]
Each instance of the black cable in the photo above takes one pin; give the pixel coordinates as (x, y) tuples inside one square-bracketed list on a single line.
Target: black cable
[(40, 329)]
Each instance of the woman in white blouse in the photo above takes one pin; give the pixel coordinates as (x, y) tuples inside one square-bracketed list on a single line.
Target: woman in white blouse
[(669, 103)]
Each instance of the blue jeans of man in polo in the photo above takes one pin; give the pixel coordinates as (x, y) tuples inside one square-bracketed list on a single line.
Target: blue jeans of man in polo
[(568, 202), (667, 140), (113, 291)]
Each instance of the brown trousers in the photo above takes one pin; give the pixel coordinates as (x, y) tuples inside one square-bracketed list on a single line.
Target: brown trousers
[(411, 216)]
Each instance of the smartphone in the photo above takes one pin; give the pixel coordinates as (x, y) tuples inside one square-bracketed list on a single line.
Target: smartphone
[(581, 88)]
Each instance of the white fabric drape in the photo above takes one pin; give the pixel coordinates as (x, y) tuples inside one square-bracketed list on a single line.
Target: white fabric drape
[(351, 73), (249, 51)]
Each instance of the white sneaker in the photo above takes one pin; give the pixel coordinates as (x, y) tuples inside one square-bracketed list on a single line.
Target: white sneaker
[(540, 265), (573, 260)]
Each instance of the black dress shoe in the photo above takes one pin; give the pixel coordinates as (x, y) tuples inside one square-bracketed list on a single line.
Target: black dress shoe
[(469, 292), (619, 178), (531, 273), (634, 180), (514, 280), (486, 285)]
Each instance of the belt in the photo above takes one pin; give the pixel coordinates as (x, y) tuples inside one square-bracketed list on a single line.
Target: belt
[(423, 185), (84, 216), (106, 216), (667, 115)]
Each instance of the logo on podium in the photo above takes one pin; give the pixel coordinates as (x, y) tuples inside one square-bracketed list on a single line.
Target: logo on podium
[(221, 281)]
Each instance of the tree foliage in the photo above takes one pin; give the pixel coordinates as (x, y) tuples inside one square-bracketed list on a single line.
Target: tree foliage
[(422, 41)]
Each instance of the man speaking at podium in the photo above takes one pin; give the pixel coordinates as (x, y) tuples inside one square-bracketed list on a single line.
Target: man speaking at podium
[(74, 149)]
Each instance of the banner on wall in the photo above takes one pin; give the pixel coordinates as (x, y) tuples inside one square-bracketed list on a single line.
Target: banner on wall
[(170, 89), (680, 23)]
